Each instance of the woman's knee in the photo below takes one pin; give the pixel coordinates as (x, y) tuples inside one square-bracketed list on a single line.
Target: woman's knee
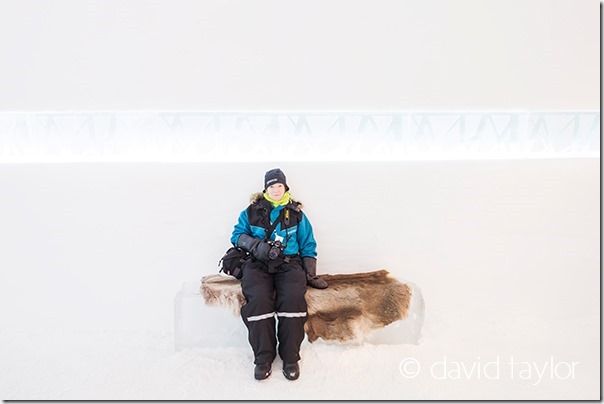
[(292, 294)]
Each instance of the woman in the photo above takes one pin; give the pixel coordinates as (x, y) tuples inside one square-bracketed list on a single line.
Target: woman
[(280, 240)]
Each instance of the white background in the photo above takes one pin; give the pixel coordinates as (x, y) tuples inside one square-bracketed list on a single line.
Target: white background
[(309, 55)]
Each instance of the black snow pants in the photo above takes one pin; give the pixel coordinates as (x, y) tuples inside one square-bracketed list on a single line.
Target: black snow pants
[(268, 295)]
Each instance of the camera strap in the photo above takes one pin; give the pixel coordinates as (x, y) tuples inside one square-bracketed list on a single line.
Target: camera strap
[(272, 227)]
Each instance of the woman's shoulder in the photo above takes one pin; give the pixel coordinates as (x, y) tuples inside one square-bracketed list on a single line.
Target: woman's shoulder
[(295, 205), (256, 197)]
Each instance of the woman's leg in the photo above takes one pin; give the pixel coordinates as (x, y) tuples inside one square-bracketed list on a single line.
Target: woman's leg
[(290, 283), (258, 313)]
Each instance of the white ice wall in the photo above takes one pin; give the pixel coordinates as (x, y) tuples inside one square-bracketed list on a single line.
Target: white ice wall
[(108, 245), (311, 54)]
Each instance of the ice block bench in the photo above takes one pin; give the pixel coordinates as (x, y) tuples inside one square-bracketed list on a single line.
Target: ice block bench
[(371, 306)]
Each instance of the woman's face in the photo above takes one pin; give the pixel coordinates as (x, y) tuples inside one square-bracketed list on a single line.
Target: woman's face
[(276, 191)]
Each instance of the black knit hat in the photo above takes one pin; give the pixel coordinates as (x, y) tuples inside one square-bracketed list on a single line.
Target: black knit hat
[(274, 176)]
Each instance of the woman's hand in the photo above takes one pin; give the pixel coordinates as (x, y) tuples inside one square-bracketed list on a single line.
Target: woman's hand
[(258, 248)]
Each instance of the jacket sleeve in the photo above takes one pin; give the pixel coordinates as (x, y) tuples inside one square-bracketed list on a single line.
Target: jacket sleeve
[(306, 238), (242, 227)]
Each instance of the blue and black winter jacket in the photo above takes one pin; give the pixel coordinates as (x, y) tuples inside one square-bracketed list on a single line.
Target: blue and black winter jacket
[(293, 230)]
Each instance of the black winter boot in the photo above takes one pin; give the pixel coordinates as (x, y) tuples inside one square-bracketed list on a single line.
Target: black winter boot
[(291, 371), (262, 371), (310, 266)]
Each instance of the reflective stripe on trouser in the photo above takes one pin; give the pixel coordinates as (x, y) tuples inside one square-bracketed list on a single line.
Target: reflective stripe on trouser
[(272, 313), (270, 296)]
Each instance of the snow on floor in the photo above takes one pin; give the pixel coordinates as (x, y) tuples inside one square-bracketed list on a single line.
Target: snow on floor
[(121, 365)]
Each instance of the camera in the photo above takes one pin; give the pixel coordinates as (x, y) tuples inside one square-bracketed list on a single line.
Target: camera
[(276, 249)]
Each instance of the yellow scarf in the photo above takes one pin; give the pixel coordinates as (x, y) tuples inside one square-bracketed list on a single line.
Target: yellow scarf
[(281, 202)]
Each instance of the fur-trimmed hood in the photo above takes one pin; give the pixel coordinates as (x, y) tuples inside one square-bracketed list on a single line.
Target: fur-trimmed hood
[(293, 204)]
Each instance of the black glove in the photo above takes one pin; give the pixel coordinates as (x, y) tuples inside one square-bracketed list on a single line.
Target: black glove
[(310, 266), (258, 248)]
